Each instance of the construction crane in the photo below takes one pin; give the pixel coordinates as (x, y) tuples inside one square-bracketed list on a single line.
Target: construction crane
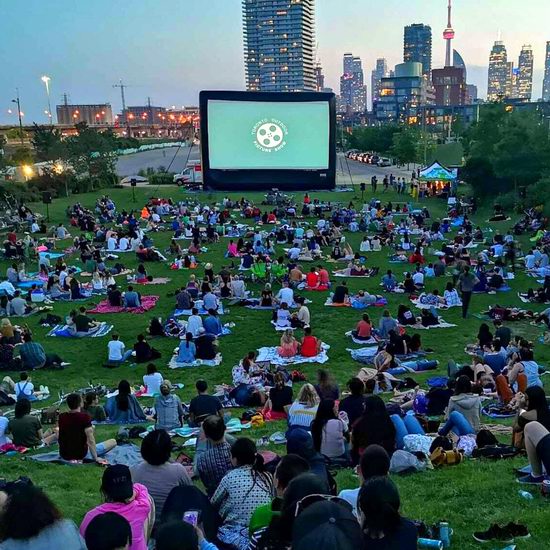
[(122, 87)]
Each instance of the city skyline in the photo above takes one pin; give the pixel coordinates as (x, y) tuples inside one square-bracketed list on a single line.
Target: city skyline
[(178, 50)]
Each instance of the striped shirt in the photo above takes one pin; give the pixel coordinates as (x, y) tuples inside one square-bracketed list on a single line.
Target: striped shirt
[(301, 415), (213, 464)]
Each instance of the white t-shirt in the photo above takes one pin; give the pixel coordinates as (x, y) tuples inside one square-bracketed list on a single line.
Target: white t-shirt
[(111, 243), (418, 278), (24, 388), (153, 382), (116, 349), (123, 244), (286, 294), (194, 325)]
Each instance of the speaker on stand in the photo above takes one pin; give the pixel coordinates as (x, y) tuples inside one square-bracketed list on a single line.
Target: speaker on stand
[(47, 200)]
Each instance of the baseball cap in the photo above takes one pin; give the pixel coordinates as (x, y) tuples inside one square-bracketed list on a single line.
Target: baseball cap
[(117, 483), (327, 525)]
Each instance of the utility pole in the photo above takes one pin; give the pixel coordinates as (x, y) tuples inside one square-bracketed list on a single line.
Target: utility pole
[(18, 102), (122, 87)]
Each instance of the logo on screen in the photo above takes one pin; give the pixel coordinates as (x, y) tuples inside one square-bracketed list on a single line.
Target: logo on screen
[(269, 135)]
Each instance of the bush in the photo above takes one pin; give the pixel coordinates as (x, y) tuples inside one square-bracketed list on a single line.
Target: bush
[(161, 179)]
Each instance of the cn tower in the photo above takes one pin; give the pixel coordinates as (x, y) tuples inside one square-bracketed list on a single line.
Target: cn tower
[(448, 35)]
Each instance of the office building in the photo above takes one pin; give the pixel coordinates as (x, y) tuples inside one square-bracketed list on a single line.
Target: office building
[(96, 114), (471, 93), (440, 119), (499, 84), (319, 78), (143, 115), (449, 85), (279, 45), (402, 94), (546, 82), (352, 84), (417, 46), (523, 88), (380, 72)]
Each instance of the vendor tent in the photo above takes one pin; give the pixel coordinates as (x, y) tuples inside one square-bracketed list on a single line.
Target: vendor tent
[(437, 172)]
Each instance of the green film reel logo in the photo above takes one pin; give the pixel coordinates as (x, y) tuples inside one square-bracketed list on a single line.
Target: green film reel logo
[(269, 135)]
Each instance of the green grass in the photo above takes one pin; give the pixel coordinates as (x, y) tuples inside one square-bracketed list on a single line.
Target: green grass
[(470, 496)]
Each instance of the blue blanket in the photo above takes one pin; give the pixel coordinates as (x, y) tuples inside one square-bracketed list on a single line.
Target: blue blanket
[(62, 331)]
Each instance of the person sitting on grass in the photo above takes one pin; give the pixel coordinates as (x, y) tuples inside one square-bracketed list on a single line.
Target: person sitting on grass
[(282, 316), (383, 527), (207, 347), (93, 408), (26, 429), (375, 462), (114, 296), (130, 500), (212, 324), (387, 323), (116, 350), (405, 316), (363, 330), (341, 294), (76, 434), (302, 317), (304, 408), (187, 351), (533, 407), (144, 352), (33, 355), (152, 380), (169, 411), (288, 346), (203, 405), (124, 408), (326, 387), (329, 430), (354, 404), (29, 519), (213, 460), (463, 412), (280, 397), (155, 328), (194, 323), (131, 299), (310, 345), (240, 492), (157, 472)]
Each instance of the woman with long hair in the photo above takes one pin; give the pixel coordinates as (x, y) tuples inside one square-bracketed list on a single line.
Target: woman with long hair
[(187, 350), (329, 431), (288, 346), (373, 427), (534, 407), (383, 526), (280, 396), (29, 519), (326, 387), (302, 412), (124, 408), (240, 492)]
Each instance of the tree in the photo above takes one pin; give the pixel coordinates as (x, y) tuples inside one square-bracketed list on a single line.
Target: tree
[(405, 146), (48, 144), (93, 155)]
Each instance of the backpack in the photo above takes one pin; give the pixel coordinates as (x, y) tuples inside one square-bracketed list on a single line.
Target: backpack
[(49, 415), (496, 452), (440, 457)]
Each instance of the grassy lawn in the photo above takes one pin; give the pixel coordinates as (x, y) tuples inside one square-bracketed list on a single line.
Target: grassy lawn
[(470, 496)]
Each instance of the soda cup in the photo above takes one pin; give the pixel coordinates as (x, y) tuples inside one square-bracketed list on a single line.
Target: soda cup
[(430, 543), (545, 488)]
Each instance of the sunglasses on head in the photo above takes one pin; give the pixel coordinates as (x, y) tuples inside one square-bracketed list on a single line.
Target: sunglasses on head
[(308, 500)]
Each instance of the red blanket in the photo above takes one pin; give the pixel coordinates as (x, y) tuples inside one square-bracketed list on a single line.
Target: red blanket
[(147, 303)]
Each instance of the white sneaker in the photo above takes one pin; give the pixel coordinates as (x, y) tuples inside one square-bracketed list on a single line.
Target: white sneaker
[(64, 364)]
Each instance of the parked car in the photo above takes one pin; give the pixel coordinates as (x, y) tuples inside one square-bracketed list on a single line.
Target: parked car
[(374, 159), (384, 161)]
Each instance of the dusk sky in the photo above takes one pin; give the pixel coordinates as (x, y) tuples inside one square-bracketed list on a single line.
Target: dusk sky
[(171, 49)]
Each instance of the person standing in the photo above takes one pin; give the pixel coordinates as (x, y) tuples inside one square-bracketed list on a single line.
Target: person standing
[(466, 283)]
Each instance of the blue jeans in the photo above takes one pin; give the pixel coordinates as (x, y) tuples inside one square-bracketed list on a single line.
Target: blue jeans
[(405, 426), (100, 450), (458, 424), (419, 365), (125, 356)]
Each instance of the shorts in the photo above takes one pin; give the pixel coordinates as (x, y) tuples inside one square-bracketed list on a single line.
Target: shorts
[(100, 450), (543, 451)]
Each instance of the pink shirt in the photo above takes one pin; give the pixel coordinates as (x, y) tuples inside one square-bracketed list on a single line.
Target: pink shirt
[(136, 512), (232, 249)]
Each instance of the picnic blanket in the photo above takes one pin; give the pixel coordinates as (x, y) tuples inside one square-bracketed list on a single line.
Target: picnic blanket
[(494, 409), (62, 331), (328, 302), (147, 303), (127, 454), (442, 324), (372, 341), (350, 276), (269, 354), (173, 364), (155, 281), (419, 305), (123, 272), (198, 305), (504, 288), (357, 304)]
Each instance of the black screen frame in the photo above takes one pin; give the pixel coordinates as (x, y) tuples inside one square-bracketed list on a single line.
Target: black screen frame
[(246, 179)]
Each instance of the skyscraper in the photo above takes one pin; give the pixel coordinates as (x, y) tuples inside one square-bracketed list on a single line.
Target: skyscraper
[(352, 84), (319, 77), (448, 35), (524, 83), (499, 82), (546, 82), (417, 46), (279, 45), (380, 72)]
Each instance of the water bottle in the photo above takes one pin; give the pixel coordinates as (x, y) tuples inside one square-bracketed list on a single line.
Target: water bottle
[(444, 534), (526, 495), (430, 543)]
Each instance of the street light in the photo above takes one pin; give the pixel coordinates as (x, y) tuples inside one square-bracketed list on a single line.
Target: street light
[(19, 114), (46, 80)]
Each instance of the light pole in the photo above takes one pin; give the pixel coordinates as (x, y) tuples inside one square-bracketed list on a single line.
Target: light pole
[(18, 103), (46, 80)]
